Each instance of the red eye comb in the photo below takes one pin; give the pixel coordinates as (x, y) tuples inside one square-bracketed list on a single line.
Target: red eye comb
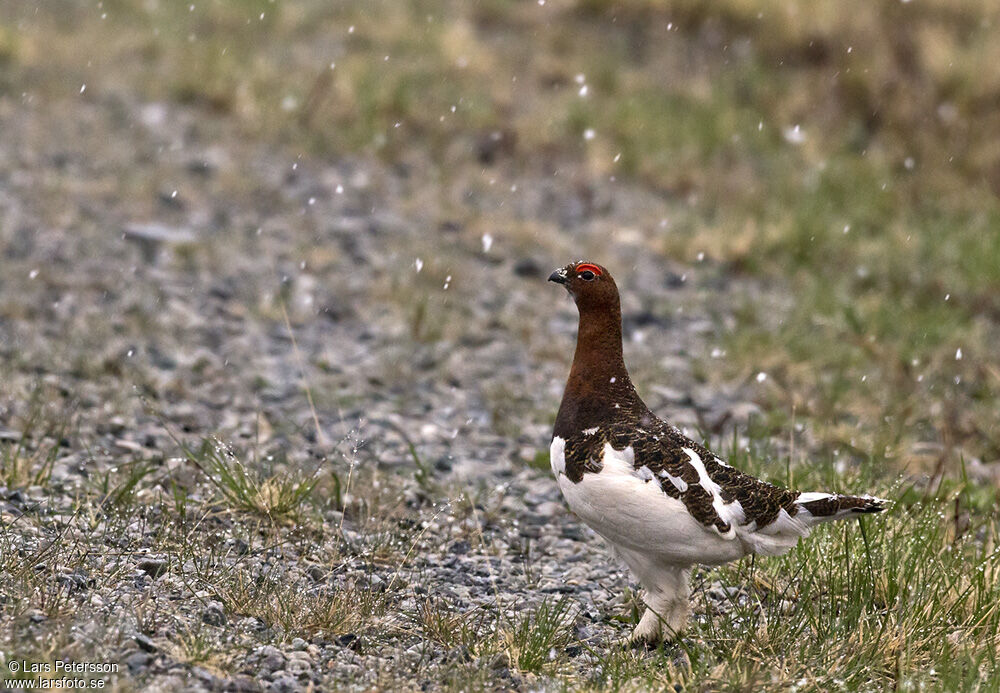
[(587, 266)]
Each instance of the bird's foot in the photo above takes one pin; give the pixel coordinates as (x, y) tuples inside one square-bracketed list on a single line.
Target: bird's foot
[(648, 633), (653, 629), (641, 641)]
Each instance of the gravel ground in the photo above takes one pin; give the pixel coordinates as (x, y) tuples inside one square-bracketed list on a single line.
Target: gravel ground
[(167, 280)]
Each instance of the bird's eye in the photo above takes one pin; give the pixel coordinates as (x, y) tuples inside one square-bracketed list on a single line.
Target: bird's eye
[(588, 272)]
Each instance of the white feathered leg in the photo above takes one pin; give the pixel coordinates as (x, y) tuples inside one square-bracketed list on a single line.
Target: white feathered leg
[(667, 598), (667, 608)]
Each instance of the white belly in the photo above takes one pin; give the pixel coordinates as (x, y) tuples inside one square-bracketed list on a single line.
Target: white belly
[(634, 513)]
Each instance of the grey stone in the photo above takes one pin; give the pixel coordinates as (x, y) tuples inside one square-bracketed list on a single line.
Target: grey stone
[(137, 661), (213, 614), (153, 567), (145, 643), (242, 683), (285, 684)]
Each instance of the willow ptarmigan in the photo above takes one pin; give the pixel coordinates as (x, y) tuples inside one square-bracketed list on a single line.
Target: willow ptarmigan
[(661, 500)]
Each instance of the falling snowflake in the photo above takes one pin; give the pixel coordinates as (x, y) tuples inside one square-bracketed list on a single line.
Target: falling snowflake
[(794, 135)]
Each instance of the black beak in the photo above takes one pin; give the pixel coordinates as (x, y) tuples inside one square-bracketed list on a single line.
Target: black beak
[(559, 276)]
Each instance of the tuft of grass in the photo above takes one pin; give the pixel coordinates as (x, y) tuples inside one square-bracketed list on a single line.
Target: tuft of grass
[(279, 497), (298, 611), (630, 669), (441, 624), (28, 460), (117, 487), (196, 646), (21, 467), (535, 641)]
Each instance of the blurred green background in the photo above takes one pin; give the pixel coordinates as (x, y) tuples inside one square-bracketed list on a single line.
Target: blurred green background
[(847, 154)]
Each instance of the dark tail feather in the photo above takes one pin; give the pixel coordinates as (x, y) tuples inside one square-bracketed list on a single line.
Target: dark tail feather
[(832, 506)]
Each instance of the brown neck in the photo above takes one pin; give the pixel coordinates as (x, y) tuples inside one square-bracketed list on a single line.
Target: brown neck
[(598, 379)]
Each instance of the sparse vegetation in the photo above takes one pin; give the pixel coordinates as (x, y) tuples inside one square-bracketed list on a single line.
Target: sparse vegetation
[(23, 465)]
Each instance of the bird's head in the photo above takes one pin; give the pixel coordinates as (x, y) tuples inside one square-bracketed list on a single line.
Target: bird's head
[(590, 285)]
